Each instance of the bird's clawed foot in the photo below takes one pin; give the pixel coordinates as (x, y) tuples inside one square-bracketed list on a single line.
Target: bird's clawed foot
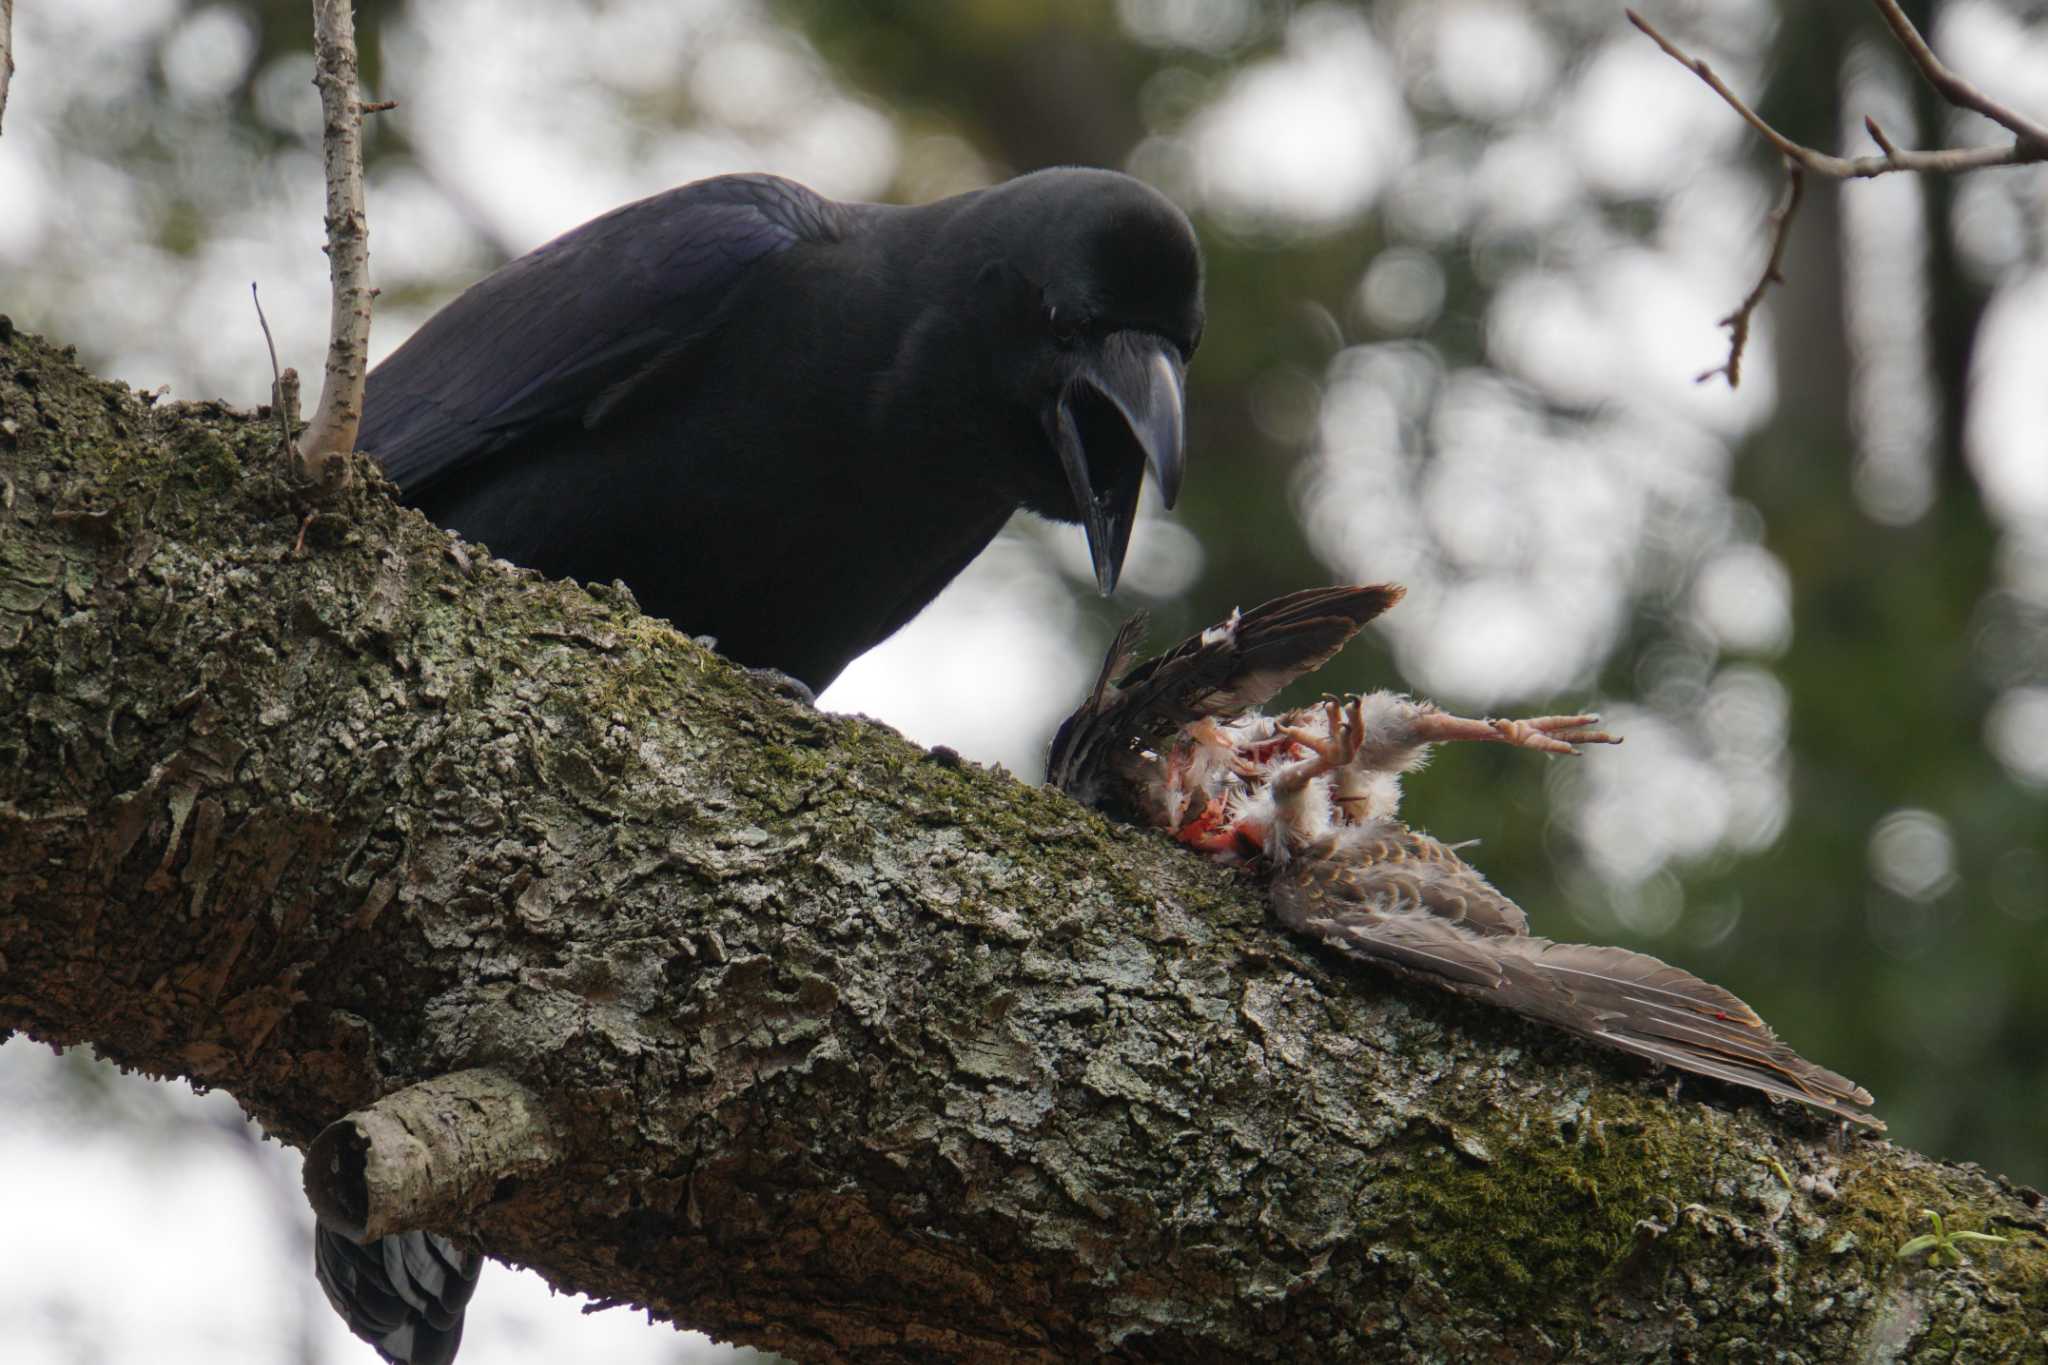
[(1331, 748), (1544, 734)]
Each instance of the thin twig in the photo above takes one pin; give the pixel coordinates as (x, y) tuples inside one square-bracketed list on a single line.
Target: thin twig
[(331, 435), (1737, 322), (6, 51), (283, 398), (1955, 89), (2029, 145), (1946, 161)]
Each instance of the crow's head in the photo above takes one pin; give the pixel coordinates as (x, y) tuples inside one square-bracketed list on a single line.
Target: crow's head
[(1089, 300)]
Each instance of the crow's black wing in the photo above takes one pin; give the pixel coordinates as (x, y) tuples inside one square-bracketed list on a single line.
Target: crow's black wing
[(566, 332), (404, 1294)]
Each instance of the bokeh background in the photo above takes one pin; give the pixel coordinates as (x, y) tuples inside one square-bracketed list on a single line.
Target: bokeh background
[(1465, 258)]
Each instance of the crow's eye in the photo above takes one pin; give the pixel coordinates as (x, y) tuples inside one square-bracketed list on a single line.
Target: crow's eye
[(1065, 326)]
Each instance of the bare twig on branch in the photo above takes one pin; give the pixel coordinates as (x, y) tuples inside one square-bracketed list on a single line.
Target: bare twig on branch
[(2030, 139), (284, 401), (331, 435), (2029, 145), (284, 385), (6, 51), (1737, 322)]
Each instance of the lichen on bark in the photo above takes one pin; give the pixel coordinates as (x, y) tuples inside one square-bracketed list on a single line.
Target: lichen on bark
[(851, 1050)]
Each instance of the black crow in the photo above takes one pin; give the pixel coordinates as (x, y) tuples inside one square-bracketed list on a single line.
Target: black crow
[(787, 422)]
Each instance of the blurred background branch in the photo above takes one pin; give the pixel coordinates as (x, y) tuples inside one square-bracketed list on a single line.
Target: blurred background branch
[(1737, 322), (2029, 145)]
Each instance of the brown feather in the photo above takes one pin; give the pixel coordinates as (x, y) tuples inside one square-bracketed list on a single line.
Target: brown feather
[(1425, 912), (1240, 663)]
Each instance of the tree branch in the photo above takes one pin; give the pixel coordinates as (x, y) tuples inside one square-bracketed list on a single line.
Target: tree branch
[(2028, 146), (1737, 322), (1959, 92), (331, 434), (835, 1049)]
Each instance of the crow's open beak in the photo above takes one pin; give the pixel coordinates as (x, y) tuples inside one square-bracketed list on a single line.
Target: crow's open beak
[(1120, 414)]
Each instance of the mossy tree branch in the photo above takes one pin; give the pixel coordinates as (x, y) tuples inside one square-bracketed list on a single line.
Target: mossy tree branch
[(848, 1050)]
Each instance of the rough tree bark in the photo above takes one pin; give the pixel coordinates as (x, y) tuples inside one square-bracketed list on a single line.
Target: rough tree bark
[(845, 1048)]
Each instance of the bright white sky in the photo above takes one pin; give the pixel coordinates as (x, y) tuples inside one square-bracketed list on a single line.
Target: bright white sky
[(1519, 537)]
